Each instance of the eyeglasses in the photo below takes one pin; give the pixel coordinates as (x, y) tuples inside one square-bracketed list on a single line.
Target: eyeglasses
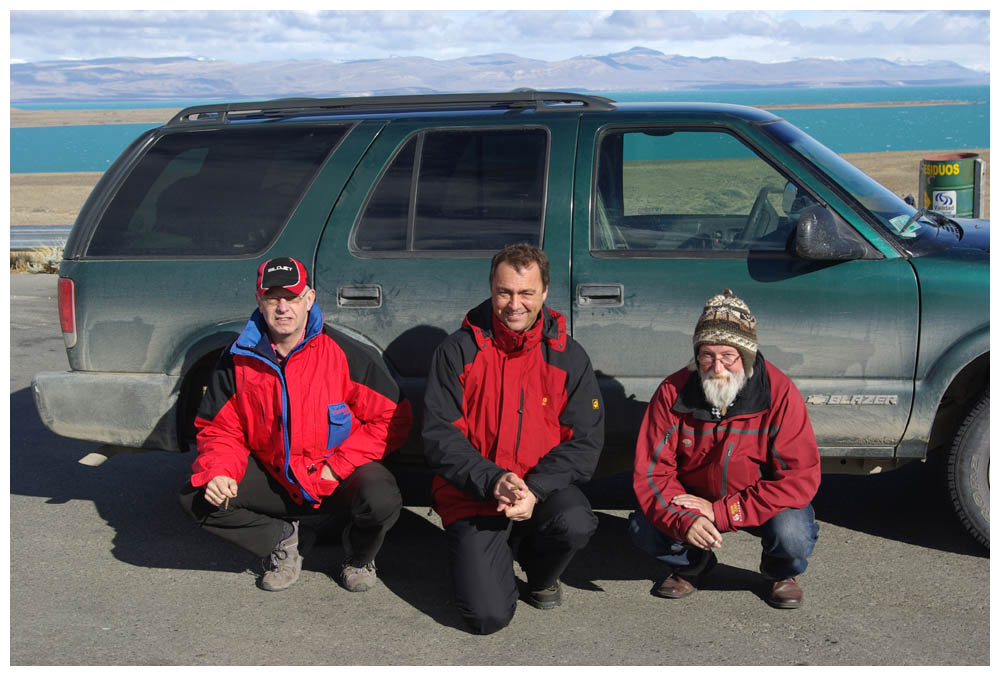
[(727, 360), (273, 301)]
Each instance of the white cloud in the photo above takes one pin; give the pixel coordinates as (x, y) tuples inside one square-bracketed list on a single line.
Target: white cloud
[(249, 36)]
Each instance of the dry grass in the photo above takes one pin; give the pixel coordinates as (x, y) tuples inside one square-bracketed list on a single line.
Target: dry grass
[(49, 199), (45, 259)]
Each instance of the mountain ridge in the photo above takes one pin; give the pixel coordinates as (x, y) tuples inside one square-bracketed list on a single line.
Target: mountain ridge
[(639, 68)]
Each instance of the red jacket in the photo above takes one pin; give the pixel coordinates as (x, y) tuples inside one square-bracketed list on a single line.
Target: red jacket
[(332, 401), (491, 407), (757, 460)]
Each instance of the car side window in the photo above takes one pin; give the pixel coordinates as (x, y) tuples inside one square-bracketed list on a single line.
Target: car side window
[(212, 193), (458, 190), (662, 189)]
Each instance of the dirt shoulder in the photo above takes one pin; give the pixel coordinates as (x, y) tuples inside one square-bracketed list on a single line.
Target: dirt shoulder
[(64, 118)]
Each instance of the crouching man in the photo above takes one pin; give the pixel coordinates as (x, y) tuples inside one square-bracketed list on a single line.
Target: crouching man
[(513, 420), (291, 429), (725, 445)]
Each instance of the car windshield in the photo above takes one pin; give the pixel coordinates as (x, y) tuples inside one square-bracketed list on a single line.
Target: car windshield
[(899, 217)]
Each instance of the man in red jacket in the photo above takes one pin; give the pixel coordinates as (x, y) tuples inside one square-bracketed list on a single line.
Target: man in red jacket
[(291, 429), (726, 445), (513, 419)]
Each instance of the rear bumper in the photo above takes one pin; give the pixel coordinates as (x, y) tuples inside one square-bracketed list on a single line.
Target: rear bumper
[(126, 409)]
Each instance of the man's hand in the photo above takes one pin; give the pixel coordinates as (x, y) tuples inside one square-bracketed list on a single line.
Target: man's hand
[(326, 474), (689, 501), (220, 488), (509, 489), (523, 508), (514, 498), (703, 534)]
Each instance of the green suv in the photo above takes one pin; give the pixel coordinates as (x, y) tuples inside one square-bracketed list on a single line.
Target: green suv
[(879, 312)]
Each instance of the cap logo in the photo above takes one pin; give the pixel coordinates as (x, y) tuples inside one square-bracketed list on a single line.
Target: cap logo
[(286, 273)]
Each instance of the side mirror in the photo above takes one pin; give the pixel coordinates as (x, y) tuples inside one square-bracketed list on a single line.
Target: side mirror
[(824, 236)]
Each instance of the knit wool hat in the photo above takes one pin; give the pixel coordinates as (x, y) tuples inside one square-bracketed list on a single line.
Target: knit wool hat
[(726, 320)]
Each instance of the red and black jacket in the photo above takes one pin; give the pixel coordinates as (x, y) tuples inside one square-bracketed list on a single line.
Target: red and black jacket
[(751, 463), (491, 406), (332, 401)]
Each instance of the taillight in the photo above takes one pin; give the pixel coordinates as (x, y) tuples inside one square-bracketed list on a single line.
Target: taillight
[(67, 310)]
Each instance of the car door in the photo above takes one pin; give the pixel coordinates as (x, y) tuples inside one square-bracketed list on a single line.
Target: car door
[(670, 213), (406, 252)]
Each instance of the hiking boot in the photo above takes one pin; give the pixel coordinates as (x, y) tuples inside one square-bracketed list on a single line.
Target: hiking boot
[(284, 564), (358, 578), (545, 599)]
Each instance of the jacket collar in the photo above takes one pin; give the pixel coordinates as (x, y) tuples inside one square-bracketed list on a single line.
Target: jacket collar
[(254, 337), (753, 398), (479, 321)]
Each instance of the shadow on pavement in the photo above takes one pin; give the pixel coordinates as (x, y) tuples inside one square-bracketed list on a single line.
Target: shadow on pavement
[(909, 504), (136, 494)]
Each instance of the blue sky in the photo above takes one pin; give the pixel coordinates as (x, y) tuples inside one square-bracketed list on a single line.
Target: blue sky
[(550, 35)]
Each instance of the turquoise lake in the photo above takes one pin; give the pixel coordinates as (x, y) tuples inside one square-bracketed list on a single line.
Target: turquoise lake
[(845, 130)]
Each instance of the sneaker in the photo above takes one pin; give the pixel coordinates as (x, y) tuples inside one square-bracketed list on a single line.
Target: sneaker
[(545, 599), (284, 564), (358, 578)]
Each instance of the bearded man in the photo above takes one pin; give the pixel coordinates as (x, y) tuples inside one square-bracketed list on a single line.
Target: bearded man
[(726, 445)]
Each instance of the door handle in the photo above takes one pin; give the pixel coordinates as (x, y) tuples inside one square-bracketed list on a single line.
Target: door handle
[(359, 295), (608, 295)]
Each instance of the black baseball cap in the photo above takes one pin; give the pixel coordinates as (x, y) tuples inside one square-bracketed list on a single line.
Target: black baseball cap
[(288, 273)]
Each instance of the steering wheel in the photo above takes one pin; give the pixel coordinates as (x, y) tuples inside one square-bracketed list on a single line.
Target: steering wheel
[(703, 240)]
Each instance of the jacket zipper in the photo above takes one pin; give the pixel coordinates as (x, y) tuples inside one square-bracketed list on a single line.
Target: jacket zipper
[(725, 468), (285, 421), (520, 417)]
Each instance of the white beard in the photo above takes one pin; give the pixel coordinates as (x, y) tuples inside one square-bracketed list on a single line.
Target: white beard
[(722, 389)]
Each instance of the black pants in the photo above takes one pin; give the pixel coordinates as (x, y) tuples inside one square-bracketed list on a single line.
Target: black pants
[(481, 550), (368, 502)]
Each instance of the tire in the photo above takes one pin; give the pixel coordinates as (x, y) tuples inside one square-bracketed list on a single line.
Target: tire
[(191, 393), (969, 471)]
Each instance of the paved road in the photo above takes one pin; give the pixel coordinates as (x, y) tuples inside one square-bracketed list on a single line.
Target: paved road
[(28, 237), (104, 569)]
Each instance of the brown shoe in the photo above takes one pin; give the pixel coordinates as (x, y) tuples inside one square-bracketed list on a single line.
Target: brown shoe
[(678, 586), (785, 594)]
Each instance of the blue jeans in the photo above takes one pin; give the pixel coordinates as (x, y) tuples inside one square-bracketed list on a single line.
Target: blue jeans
[(787, 541)]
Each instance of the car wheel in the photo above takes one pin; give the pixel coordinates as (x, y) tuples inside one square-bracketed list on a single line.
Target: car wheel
[(969, 471), (192, 392)]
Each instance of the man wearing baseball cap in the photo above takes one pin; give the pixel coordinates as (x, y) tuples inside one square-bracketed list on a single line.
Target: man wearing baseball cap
[(291, 431), (725, 445)]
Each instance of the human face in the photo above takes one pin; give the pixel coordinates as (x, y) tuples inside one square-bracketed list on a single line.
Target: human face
[(285, 313), (517, 295), (719, 359), (722, 375)]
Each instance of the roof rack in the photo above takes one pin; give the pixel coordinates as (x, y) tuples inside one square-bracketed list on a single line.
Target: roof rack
[(277, 108)]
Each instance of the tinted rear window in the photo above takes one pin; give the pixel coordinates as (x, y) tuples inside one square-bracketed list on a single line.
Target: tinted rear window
[(225, 192)]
